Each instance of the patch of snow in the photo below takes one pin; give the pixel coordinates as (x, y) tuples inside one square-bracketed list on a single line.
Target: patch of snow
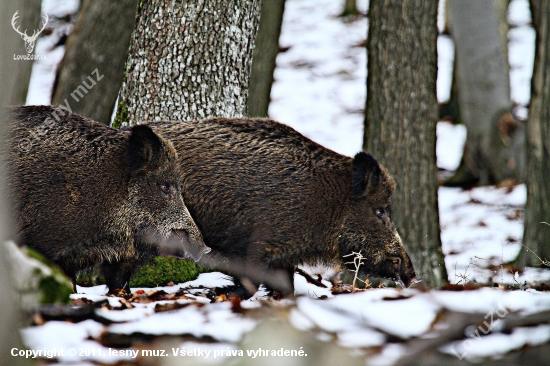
[(519, 13), (60, 8), (389, 355), (361, 338), (66, 336), (215, 320), (521, 52), (324, 317), (302, 287), (93, 290), (209, 279), (445, 62), (479, 228), (498, 344), (113, 301), (320, 81), (449, 145), (299, 320), (490, 300), (391, 316), (125, 315)]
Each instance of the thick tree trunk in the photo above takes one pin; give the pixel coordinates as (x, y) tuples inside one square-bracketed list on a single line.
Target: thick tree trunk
[(494, 145), (99, 41), (264, 56), (401, 116), (9, 71), (537, 211), (29, 18), (189, 60)]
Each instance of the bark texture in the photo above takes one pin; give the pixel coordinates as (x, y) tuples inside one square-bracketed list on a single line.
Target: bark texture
[(401, 116), (29, 18), (264, 56), (99, 41), (495, 141), (9, 70), (350, 8), (537, 211), (189, 60)]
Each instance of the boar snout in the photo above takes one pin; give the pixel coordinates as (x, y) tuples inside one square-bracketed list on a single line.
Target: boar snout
[(193, 246), (417, 283), (404, 270), (183, 244)]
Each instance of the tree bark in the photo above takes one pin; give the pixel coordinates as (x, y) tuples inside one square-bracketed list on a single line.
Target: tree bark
[(264, 56), (536, 235), (99, 41), (495, 141), (400, 122), (189, 60), (9, 71), (350, 8), (29, 18)]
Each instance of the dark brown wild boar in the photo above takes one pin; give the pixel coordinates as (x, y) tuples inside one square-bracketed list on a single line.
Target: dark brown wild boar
[(86, 194), (267, 198)]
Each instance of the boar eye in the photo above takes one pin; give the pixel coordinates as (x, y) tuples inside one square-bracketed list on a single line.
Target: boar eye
[(381, 213), (165, 188)]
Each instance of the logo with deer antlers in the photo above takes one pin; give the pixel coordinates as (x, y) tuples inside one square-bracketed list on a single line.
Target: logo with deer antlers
[(29, 41)]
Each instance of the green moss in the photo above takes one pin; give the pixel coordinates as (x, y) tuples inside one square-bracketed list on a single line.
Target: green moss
[(158, 272), (162, 270), (55, 290), (55, 269), (121, 114), (34, 254)]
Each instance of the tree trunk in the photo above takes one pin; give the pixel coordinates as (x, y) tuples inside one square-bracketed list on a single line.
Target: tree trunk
[(350, 8), (189, 60), (29, 18), (401, 116), (494, 145), (264, 56), (9, 71), (537, 211), (91, 72)]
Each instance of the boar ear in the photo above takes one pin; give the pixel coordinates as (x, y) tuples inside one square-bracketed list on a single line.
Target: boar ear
[(144, 149), (365, 174)]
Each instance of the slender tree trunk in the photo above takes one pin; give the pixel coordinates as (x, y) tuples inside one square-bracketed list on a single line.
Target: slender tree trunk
[(29, 18), (401, 116), (189, 60), (264, 56), (537, 211), (91, 72), (350, 8), (9, 71), (494, 145)]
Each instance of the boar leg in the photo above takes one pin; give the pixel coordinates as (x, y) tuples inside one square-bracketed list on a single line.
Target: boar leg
[(72, 277), (117, 275), (280, 282)]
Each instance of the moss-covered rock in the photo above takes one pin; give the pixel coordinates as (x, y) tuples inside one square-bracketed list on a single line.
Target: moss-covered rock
[(159, 272), (162, 270), (36, 280)]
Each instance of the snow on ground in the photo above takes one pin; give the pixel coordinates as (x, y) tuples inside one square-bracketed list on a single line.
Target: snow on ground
[(320, 91), (320, 81)]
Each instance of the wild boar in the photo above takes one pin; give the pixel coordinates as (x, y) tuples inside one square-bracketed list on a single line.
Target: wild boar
[(86, 194), (266, 198)]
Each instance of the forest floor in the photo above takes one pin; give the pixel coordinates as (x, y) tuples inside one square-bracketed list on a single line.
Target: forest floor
[(492, 312)]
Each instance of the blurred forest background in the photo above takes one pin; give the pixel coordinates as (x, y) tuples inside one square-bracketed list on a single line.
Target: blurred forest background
[(194, 60)]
